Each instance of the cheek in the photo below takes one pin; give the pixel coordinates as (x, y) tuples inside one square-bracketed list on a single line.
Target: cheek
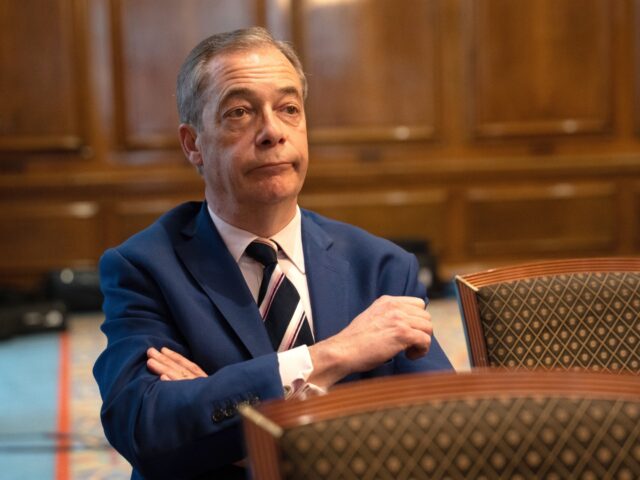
[(230, 164)]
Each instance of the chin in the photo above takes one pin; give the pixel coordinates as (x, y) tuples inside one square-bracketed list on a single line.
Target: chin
[(276, 192)]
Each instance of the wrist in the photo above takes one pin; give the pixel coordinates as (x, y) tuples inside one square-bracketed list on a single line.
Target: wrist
[(329, 365)]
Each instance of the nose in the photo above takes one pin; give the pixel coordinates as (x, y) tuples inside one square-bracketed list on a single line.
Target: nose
[(271, 132)]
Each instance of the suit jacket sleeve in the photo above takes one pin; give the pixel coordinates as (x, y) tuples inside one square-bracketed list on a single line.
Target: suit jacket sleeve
[(400, 277), (435, 359), (167, 429)]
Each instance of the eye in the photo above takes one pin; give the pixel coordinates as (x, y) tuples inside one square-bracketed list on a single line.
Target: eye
[(237, 113), (291, 110)]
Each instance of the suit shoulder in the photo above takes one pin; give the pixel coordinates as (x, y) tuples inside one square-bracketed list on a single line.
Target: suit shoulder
[(352, 238)]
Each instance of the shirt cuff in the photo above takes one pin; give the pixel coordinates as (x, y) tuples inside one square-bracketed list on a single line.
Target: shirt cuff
[(295, 367)]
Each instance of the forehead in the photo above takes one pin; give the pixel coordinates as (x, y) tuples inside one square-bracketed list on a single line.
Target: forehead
[(247, 68)]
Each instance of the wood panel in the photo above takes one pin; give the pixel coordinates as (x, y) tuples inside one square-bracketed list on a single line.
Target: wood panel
[(540, 68), (539, 220), (126, 218), (368, 80), (40, 236), (400, 215), (636, 62), (151, 40), (636, 219), (41, 85)]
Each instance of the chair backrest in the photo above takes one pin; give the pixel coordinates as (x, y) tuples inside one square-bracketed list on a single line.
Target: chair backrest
[(568, 314), (481, 424)]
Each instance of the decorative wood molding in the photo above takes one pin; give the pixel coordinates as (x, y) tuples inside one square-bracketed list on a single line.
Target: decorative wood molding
[(541, 128), (400, 133), (22, 143)]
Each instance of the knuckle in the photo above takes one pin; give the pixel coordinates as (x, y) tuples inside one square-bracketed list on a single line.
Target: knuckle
[(386, 300)]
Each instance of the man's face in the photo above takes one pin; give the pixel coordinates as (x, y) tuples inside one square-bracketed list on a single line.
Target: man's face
[(253, 140)]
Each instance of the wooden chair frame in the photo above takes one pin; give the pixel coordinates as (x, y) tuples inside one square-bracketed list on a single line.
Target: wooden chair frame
[(468, 285), (265, 424)]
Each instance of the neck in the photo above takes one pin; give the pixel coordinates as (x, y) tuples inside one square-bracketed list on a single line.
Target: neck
[(263, 220)]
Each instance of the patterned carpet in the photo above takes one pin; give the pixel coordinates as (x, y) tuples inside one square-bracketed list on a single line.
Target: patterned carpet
[(91, 457)]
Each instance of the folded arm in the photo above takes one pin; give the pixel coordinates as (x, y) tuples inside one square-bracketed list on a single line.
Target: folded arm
[(168, 429)]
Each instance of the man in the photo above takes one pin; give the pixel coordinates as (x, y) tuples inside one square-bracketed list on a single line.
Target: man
[(181, 297)]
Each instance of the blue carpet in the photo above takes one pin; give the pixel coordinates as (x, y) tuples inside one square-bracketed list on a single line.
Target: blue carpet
[(29, 368)]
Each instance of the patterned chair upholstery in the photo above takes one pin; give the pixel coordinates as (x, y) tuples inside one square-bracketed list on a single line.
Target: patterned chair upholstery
[(568, 314), (484, 424)]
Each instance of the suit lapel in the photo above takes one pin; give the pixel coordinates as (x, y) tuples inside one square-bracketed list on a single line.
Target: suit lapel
[(209, 261), (327, 276)]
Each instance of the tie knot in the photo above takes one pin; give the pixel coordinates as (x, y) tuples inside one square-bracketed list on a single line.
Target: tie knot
[(262, 252)]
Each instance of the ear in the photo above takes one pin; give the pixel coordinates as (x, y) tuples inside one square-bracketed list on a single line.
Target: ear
[(188, 137)]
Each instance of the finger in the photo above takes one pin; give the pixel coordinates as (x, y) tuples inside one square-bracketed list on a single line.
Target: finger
[(412, 301), (183, 362), (166, 364), (163, 359), (414, 353), (168, 369), (403, 304), (167, 373), (419, 349), (157, 367), (420, 320)]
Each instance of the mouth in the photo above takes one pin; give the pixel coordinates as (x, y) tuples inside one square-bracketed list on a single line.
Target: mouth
[(272, 167)]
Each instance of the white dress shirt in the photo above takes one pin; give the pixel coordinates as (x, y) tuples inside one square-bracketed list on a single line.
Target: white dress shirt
[(295, 365)]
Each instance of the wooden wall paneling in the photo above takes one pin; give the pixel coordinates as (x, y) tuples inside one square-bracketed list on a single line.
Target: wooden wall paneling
[(537, 220), (373, 68), (540, 68), (627, 215), (636, 62), (457, 213), (151, 39), (394, 214), (127, 217), (36, 237), (636, 219), (277, 15), (42, 86)]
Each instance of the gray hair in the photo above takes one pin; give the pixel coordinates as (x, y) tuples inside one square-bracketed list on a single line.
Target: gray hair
[(192, 78)]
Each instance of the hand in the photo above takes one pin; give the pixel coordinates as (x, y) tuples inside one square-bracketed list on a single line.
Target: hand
[(171, 365), (389, 326)]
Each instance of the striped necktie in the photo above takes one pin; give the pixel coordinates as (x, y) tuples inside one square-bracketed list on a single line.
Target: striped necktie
[(279, 302)]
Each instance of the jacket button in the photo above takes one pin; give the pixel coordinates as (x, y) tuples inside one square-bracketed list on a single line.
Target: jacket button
[(217, 416)]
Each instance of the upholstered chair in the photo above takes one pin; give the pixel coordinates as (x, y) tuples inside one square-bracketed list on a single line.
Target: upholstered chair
[(481, 425), (567, 314)]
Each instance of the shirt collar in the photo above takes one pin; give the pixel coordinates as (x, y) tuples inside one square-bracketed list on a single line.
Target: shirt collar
[(289, 238)]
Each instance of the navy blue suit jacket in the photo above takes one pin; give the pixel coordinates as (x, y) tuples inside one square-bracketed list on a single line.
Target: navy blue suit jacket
[(175, 284)]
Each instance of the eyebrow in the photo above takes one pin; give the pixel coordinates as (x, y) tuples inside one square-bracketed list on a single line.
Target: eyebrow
[(243, 92)]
